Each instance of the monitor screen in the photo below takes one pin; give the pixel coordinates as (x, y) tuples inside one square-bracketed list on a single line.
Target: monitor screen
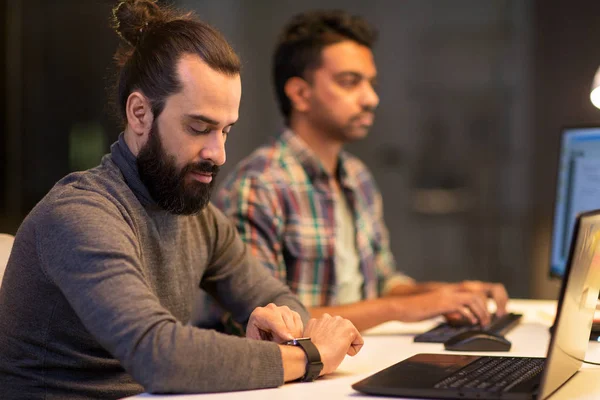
[(577, 189)]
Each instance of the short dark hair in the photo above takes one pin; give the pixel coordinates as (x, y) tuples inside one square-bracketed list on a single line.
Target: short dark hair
[(299, 48), (154, 39)]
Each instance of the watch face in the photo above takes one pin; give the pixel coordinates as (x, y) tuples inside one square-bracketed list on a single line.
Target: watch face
[(295, 342)]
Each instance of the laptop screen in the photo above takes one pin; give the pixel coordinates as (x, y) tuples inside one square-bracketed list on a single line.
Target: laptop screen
[(576, 305), (577, 189)]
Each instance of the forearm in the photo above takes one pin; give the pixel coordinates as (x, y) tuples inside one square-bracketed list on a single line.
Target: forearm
[(412, 288), (364, 314), (241, 282), (181, 359)]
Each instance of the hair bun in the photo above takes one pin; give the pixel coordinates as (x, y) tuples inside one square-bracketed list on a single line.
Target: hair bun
[(132, 17)]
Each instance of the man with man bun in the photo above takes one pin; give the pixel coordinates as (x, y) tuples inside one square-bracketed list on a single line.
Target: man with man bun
[(98, 291)]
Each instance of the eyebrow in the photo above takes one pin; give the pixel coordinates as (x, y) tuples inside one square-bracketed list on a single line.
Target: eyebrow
[(355, 75), (204, 118), (351, 73)]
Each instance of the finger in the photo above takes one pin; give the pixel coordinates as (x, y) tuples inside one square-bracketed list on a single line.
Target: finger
[(267, 336), (292, 323), (451, 287), (257, 332), (252, 332), (356, 345), (309, 327), (455, 318), (280, 330), (500, 297), (466, 312), (478, 306), (298, 324), (272, 322), (477, 286), (473, 286)]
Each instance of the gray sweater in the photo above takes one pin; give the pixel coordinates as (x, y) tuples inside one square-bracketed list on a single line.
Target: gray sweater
[(99, 289)]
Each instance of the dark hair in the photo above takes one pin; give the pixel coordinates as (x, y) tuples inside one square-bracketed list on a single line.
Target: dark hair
[(154, 39), (298, 50)]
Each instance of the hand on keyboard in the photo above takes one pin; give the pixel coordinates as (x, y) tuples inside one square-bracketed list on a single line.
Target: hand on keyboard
[(500, 325), (447, 299), (457, 319), (494, 291)]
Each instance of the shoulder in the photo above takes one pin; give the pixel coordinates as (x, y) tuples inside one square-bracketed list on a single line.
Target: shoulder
[(359, 173), (104, 181), (98, 196), (266, 167), (77, 216)]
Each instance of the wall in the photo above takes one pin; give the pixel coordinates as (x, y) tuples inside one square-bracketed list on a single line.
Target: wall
[(451, 145), (473, 95), (566, 57)]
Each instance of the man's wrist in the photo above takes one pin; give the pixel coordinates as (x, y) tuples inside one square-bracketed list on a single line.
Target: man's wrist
[(294, 362), (314, 364), (395, 307)]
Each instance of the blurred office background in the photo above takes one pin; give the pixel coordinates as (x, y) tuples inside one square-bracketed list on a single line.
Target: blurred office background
[(473, 96)]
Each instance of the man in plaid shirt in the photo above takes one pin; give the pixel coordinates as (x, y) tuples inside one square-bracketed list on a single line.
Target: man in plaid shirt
[(310, 212)]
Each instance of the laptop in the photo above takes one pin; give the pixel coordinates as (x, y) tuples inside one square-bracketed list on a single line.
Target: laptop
[(447, 376)]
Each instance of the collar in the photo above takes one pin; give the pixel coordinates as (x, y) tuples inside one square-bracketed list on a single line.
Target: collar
[(127, 163), (311, 163)]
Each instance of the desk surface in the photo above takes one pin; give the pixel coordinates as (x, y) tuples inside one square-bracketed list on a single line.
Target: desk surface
[(392, 342)]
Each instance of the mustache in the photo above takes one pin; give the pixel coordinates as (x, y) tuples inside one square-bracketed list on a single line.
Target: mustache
[(203, 166), (367, 110)]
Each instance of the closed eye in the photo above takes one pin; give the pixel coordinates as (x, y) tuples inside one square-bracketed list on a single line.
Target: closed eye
[(349, 82), (200, 132)]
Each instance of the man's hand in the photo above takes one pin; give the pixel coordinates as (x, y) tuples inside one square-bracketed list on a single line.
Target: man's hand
[(495, 291), (334, 337), (471, 306), (273, 323)]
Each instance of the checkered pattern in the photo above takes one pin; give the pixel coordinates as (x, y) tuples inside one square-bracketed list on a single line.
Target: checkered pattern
[(283, 205)]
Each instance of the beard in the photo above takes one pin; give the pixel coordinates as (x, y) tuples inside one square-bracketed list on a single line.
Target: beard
[(349, 131), (167, 185)]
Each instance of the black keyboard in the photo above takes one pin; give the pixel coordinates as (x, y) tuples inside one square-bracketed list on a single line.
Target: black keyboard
[(444, 331), (493, 374)]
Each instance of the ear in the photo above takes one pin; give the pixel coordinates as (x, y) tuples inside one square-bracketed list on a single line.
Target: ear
[(298, 91), (139, 114)]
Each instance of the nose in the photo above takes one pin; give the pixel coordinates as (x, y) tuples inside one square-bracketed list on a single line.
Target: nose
[(214, 148), (369, 98)]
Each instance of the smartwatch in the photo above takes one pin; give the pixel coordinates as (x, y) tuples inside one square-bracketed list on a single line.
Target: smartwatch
[(313, 358)]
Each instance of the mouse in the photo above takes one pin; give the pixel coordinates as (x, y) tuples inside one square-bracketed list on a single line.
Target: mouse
[(476, 340)]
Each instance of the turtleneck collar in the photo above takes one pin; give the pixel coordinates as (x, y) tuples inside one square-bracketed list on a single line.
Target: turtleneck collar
[(127, 163)]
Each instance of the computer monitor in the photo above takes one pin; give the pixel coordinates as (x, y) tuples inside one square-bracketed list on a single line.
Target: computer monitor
[(577, 189)]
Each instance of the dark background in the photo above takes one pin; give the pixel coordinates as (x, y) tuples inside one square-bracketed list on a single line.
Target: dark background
[(473, 98)]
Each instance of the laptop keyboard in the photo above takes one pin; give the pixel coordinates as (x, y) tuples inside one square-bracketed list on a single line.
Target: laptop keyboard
[(444, 331), (493, 374)]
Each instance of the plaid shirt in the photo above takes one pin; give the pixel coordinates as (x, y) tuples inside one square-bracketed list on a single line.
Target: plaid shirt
[(282, 202)]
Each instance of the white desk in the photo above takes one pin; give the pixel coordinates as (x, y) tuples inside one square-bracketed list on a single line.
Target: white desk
[(392, 342)]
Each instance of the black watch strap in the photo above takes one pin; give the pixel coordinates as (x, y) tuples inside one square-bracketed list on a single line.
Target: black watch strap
[(313, 358)]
